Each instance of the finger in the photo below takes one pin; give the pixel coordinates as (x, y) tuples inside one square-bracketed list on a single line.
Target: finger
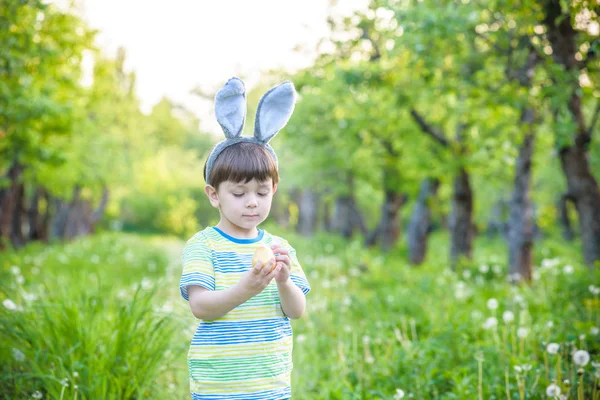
[(268, 266), (275, 271), (257, 267), (278, 250), (284, 259)]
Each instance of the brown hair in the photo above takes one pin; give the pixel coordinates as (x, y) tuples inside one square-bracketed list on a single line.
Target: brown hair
[(243, 162)]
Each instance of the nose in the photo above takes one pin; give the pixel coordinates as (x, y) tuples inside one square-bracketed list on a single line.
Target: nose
[(252, 203)]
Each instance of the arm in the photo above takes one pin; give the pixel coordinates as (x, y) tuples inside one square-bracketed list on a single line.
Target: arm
[(209, 305), (293, 302)]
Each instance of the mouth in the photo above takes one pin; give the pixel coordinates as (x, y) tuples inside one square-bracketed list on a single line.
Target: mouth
[(251, 216)]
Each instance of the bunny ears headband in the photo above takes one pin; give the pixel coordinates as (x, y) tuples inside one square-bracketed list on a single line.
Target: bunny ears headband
[(274, 111)]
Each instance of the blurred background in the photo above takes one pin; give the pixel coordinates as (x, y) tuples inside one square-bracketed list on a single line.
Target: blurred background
[(439, 179)]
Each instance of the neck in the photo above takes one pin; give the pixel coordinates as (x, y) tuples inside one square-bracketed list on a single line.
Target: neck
[(236, 231)]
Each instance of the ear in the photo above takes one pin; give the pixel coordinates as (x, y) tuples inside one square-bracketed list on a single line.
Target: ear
[(274, 111), (274, 189), (212, 195), (230, 107)]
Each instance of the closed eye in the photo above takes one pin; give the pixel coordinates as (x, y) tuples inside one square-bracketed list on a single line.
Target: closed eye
[(263, 194), (238, 194)]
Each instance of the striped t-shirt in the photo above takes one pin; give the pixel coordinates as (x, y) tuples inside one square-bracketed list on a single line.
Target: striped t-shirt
[(247, 353)]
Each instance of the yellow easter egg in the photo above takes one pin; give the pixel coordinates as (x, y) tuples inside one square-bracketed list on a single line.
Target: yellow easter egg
[(263, 254)]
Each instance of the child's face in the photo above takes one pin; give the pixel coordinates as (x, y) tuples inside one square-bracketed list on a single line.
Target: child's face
[(245, 205)]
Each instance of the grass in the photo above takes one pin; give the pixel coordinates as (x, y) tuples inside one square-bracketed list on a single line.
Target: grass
[(104, 313)]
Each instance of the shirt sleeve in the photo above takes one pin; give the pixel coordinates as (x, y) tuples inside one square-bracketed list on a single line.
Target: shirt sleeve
[(198, 269), (297, 274)]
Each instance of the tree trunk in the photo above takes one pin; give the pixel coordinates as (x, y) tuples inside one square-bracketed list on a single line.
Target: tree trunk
[(461, 218), (563, 216), (308, 206), (581, 184), (10, 203), (342, 220), (520, 223), (418, 227), (584, 188), (16, 235), (388, 230)]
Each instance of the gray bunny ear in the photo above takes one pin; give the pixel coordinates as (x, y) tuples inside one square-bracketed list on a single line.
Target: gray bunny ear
[(230, 107), (274, 111)]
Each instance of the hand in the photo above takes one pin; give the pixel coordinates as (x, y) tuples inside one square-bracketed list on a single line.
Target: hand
[(284, 263), (258, 277)]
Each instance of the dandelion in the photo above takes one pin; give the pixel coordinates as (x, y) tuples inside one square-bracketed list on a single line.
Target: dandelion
[(343, 280), (18, 355), (497, 269), (594, 290), (550, 324), (519, 299), (65, 382), (399, 394), (522, 332), (552, 348), (37, 395), (581, 357), (146, 283), (347, 301), (492, 304), (20, 279), (466, 274), (508, 317), (75, 374), (594, 330), (582, 337), (553, 390), (15, 270), (9, 304), (484, 268), (366, 339), (568, 269), (490, 323)]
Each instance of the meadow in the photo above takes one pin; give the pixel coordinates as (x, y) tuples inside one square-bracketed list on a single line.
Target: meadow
[(101, 318)]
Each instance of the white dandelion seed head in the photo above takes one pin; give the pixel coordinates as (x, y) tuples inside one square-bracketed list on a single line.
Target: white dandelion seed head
[(484, 268), (522, 332), (466, 274), (508, 317), (497, 269), (146, 283), (581, 357), (594, 330), (568, 269), (37, 395), (594, 289), (550, 324), (65, 382), (518, 368), (492, 304), (15, 270), (552, 348), (9, 305), (347, 301), (18, 355), (553, 390), (490, 323), (75, 374), (20, 279), (399, 394), (366, 339)]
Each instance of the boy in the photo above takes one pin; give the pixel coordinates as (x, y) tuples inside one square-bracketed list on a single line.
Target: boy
[(242, 348)]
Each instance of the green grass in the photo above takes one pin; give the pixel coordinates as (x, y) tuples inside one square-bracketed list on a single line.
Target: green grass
[(105, 313)]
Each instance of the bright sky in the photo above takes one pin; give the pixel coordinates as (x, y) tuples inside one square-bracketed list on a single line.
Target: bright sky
[(177, 45)]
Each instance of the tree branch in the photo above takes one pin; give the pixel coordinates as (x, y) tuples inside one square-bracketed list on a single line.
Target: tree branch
[(430, 130)]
